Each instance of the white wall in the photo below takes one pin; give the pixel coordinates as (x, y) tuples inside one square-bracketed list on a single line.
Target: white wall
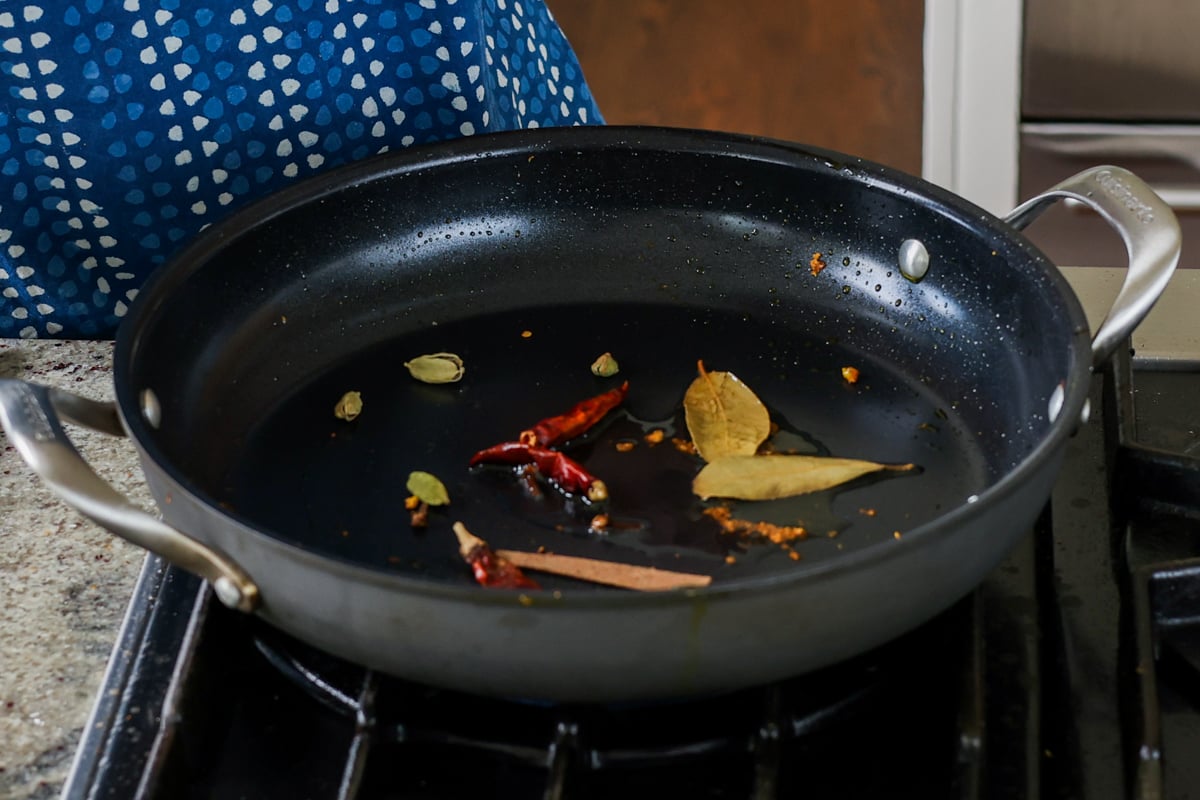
[(972, 99)]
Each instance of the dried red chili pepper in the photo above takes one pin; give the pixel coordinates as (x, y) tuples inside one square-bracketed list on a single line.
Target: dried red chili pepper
[(490, 569), (558, 467), (515, 453), (582, 416)]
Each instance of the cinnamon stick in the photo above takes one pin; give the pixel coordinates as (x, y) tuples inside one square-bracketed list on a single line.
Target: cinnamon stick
[(610, 573)]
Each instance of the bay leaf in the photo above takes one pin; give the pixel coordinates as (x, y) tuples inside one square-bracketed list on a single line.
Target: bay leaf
[(427, 488), (724, 416), (770, 477), (436, 368)]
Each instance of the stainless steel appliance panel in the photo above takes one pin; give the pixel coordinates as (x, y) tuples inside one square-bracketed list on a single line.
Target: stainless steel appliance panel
[(1166, 156), (1111, 60)]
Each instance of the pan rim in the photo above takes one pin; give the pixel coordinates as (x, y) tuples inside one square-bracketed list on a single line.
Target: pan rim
[(194, 256)]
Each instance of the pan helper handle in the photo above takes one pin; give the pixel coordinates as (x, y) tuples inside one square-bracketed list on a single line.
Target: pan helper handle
[(30, 416), (1152, 238)]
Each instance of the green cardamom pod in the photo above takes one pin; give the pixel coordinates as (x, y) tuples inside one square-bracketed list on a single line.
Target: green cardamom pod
[(436, 368)]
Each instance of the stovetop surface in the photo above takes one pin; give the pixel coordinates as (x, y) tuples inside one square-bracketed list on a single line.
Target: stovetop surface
[(1070, 672)]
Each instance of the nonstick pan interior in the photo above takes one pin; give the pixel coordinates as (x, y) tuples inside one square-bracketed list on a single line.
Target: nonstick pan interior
[(531, 258)]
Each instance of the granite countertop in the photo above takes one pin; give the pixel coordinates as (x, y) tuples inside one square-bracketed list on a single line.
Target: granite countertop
[(66, 582)]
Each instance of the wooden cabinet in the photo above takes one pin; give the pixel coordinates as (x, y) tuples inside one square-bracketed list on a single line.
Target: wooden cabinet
[(844, 75)]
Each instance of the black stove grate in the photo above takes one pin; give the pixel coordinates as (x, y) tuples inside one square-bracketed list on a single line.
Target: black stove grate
[(261, 715), (1156, 472)]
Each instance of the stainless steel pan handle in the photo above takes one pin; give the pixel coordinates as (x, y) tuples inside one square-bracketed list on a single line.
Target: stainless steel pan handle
[(30, 416), (1152, 238)]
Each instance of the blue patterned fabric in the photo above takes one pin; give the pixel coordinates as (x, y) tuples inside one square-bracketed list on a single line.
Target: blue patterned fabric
[(126, 126)]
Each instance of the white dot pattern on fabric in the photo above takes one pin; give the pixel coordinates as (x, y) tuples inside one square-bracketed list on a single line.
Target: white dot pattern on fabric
[(128, 126)]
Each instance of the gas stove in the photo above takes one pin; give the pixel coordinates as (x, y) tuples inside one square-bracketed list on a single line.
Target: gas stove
[(1072, 671)]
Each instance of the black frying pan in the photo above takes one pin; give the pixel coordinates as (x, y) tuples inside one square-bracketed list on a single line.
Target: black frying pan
[(530, 254)]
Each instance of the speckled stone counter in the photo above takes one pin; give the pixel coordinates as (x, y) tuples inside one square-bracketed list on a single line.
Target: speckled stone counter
[(64, 582)]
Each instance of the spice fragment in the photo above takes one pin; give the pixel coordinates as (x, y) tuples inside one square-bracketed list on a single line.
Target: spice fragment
[(684, 446), (744, 527), (850, 374), (816, 264)]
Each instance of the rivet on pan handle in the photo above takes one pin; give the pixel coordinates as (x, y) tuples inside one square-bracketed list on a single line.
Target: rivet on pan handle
[(1152, 238), (30, 415)]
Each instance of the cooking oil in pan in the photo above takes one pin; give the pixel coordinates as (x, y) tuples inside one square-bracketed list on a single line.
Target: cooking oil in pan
[(338, 487)]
